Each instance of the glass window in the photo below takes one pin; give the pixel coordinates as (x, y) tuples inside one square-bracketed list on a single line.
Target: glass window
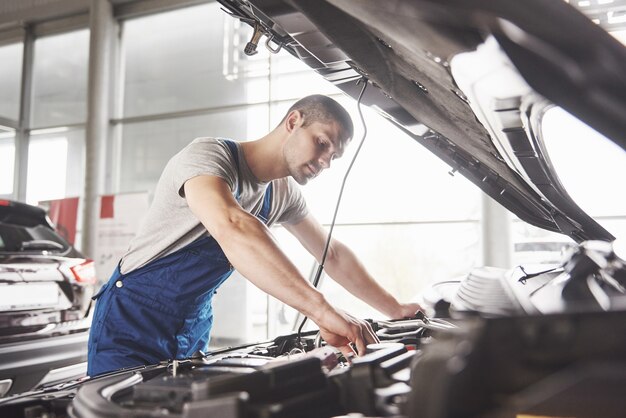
[(189, 59), (74, 160), (7, 161), (588, 164), (47, 159), (10, 80), (60, 79), (142, 162), (75, 181), (532, 245), (616, 225)]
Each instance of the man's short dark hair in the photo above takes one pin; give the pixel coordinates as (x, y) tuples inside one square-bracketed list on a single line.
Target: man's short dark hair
[(323, 109)]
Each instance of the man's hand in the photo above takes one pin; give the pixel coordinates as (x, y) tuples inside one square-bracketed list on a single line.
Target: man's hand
[(339, 329), (407, 310)]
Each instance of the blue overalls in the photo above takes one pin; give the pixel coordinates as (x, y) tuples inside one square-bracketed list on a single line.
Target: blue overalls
[(161, 310)]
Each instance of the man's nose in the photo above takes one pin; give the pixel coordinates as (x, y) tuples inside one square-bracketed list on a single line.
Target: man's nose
[(325, 161)]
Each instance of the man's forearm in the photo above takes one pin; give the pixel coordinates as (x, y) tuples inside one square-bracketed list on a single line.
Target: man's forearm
[(349, 272), (252, 250)]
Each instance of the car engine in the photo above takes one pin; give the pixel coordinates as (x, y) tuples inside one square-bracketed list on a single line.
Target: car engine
[(287, 377), (502, 343)]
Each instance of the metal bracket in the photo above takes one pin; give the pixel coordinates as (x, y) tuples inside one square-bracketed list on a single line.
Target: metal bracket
[(269, 48)]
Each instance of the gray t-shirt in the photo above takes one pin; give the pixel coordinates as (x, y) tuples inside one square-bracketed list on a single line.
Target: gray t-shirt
[(170, 225)]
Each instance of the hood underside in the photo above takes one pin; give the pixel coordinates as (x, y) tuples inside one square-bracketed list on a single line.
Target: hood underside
[(406, 50)]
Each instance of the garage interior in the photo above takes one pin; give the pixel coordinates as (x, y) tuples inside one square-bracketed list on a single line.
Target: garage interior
[(96, 96)]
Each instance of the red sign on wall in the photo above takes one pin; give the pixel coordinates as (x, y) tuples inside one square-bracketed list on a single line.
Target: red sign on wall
[(64, 215)]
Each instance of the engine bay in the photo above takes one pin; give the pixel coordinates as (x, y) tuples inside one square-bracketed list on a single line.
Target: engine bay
[(289, 376), (500, 344)]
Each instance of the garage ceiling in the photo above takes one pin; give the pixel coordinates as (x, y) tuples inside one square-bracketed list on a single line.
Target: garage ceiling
[(14, 14), (24, 12)]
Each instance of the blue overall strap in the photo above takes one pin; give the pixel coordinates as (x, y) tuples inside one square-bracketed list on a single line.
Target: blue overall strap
[(264, 214), (267, 198)]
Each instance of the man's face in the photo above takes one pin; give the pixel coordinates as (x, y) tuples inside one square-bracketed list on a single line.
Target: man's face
[(310, 149)]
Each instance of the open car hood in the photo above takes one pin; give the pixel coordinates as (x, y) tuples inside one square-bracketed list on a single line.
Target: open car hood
[(416, 55)]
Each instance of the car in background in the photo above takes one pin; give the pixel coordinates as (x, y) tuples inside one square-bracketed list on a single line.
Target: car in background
[(46, 287)]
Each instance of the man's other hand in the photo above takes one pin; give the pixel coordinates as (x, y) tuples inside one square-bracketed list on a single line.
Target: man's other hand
[(407, 310)]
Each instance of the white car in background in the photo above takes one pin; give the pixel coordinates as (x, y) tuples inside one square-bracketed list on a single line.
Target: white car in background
[(46, 287)]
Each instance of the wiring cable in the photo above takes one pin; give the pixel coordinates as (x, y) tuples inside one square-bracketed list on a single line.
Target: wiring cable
[(320, 267)]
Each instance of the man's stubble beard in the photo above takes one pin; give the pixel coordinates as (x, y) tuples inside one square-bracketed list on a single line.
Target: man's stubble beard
[(292, 168)]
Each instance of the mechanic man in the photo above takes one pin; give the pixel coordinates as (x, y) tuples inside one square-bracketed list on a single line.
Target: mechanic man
[(211, 211)]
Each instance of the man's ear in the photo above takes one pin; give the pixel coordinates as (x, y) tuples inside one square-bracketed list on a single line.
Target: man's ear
[(293, 120)]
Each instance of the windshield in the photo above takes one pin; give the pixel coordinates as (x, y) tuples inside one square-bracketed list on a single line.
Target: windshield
[(35, 239)]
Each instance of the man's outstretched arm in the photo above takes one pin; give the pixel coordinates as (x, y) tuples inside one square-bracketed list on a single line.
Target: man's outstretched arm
[(344, 267), (252, 250)]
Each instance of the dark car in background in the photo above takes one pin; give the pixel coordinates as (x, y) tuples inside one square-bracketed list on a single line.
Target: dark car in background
[(45, 299)]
